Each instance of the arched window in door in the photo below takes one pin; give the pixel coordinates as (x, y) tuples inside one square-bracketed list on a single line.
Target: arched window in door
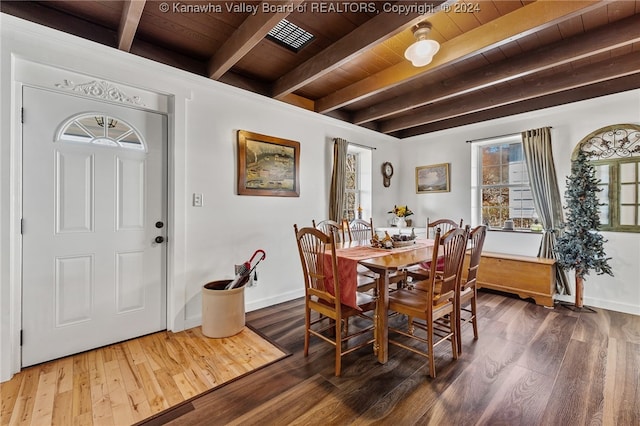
[(100, 129), (615, 153)]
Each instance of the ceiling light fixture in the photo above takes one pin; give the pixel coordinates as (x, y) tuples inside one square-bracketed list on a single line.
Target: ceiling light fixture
[(421, 52)]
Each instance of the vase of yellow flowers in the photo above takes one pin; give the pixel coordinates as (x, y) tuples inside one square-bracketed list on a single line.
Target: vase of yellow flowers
[(400, 214)]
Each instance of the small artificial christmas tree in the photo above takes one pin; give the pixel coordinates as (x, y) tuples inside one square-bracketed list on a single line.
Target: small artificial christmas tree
[(580, 247)]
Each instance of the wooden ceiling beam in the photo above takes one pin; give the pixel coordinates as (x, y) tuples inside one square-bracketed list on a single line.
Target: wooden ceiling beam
[(624, 33), (129, 21), (376, 30), (246, 37), (517, 24), (591, 91), (609, 69)]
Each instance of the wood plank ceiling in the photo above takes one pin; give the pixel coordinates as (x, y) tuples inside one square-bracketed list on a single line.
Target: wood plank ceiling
[(496, 58)]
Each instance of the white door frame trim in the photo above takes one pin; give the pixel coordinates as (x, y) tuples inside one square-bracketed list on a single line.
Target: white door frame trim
[(27, 73)]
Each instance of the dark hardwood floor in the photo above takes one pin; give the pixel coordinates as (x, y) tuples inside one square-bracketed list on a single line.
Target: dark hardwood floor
[(531, 366)]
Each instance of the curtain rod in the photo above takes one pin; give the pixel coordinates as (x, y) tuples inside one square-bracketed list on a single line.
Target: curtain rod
[(497, 137), (362, 146)]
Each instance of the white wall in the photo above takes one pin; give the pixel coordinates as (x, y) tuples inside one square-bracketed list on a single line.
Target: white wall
[(570, 123), (230, 227)]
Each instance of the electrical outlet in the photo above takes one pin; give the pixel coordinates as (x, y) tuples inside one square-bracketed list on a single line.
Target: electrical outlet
[(197, 200)]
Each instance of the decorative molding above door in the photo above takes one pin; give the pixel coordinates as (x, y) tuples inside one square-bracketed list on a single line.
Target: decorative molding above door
[(102, 90), (90, 86)]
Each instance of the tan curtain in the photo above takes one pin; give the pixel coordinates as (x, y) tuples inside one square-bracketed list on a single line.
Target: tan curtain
[(338, 177), (546, 196)]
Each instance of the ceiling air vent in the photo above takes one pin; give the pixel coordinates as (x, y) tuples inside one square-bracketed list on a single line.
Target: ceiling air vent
[(290, 35)]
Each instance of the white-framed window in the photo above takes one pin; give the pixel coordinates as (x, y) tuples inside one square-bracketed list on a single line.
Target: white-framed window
[(358, 187), (500, 184)]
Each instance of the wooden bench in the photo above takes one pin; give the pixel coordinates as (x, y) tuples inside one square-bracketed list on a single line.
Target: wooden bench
[(526, 276)]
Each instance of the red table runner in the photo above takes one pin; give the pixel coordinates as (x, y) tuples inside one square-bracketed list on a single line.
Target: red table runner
[(348, 258)]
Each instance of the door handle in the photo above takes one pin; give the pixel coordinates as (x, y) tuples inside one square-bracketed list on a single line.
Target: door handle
[(159, 239)]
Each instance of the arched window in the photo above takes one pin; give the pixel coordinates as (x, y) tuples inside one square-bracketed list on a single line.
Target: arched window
[(100, 129), (615, 153)]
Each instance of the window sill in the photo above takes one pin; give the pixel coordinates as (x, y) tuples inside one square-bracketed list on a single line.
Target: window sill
[(516, 231)]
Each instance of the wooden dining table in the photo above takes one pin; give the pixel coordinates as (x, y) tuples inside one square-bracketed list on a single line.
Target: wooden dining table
[(383, 262)]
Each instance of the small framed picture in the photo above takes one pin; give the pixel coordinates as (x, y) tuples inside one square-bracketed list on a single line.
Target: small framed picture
[(433, 178), (268, 165)]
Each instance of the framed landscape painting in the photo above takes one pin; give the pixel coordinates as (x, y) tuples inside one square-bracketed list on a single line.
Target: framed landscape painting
[(434, 178), (268, 165)]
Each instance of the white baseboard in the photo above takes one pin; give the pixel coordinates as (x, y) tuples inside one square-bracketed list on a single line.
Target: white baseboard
[(604, 304), (270, 301)]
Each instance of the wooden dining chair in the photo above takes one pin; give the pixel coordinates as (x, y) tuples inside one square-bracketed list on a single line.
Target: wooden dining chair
[(313, 245), (360, 230), (329, 226), (366, 278), (468, 290), (436, 305), (421, 272), (445, 226)]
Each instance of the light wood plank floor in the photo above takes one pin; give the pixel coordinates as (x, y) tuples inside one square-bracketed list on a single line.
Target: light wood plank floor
[(125, 383)]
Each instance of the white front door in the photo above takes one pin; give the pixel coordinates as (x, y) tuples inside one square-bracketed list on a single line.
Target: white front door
[(94, 203)]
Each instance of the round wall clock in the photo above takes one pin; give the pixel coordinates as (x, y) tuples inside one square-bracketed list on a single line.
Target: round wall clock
[(387, 172)]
